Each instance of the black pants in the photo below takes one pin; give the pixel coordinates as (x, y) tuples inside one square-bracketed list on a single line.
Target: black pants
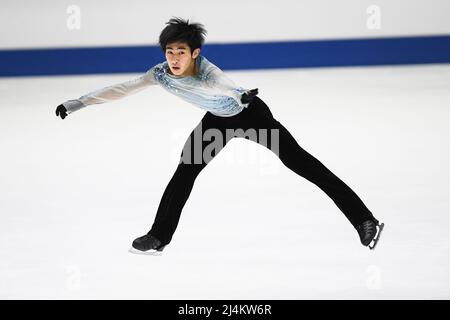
[(257, 118)]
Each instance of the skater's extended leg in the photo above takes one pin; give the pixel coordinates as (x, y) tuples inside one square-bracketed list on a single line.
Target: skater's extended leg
[(304, 164), (307, 166), (173, 200), (192, 161)]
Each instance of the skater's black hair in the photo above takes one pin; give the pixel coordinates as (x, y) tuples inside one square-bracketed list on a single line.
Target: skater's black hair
[(180, 30)]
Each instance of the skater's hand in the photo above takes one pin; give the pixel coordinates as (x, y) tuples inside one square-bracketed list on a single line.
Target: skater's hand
[(248, 96), (61, 111)]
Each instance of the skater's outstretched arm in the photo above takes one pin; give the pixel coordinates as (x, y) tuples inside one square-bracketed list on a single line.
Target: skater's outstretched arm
[(107, 94)]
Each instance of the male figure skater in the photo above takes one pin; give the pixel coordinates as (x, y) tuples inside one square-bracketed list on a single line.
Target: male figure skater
[(189, 75)]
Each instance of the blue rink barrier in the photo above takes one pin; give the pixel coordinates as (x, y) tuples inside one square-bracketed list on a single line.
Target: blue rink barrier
[(231, 56)]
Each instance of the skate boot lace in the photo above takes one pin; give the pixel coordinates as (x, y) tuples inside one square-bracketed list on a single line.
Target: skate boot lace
[(369, 226), (367, 230), (155, 244)]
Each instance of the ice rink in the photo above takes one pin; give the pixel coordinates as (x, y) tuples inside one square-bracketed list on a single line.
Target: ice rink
[(76, 192)]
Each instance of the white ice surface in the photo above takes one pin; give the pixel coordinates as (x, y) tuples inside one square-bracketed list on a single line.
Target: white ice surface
[(74, 193)]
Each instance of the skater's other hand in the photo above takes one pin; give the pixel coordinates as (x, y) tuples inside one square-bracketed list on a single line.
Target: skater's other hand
[(248, 96), (61, 111)]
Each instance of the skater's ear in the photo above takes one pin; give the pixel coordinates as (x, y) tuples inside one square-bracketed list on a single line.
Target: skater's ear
[(195, 53)]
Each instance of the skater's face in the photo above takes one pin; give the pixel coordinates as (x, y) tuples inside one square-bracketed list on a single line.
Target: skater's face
[(180, 58)]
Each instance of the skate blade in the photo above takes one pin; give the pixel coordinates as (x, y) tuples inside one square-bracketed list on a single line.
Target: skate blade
[(145, 253), (377, 237)]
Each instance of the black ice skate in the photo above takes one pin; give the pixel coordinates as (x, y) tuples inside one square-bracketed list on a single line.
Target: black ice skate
[(147, 244), (369, 232)]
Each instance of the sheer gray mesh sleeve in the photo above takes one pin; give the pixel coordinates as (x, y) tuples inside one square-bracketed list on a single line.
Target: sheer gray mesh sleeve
[(112, 93)]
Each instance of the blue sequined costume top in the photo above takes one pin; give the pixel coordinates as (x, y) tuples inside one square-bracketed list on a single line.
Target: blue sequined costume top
[(209, 89)]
